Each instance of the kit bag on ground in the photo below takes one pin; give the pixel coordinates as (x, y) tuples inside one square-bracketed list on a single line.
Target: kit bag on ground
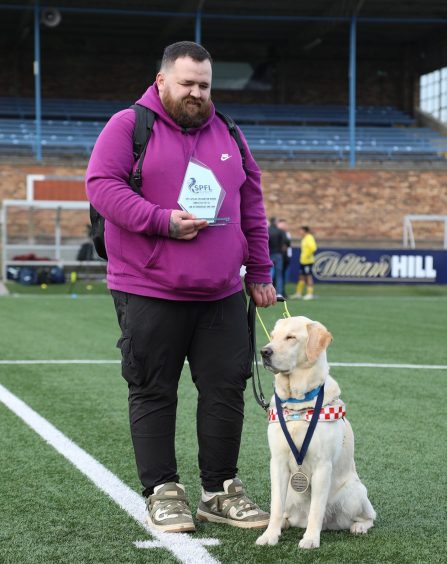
[(144, 121), (57, 275), (28, 276)]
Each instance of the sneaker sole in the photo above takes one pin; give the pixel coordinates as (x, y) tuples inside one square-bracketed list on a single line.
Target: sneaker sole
[(202, 516), (178, 528)]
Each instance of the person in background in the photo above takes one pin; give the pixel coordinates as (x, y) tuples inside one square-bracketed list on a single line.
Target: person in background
[(277, 247), (307, 259), (287, 254), (175, 280)]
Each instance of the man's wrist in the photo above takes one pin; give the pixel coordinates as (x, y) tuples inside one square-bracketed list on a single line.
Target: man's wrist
[(174, 229)]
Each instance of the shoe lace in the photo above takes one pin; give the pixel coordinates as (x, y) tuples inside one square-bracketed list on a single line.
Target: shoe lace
[(171, 505), (240, 501), (176, 506)]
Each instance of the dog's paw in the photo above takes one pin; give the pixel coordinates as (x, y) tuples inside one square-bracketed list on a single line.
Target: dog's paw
[(360, 527), (309, 543), (269, 538)]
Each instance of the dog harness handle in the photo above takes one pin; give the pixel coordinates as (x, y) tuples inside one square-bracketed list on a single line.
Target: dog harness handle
[(299, 456), (259, 396), (252, 314)]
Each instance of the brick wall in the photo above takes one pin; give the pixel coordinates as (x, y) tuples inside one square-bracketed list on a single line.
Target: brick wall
[(341, 206), (364, 206)]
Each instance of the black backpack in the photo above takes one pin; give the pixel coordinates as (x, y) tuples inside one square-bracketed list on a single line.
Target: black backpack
[(144, 121)]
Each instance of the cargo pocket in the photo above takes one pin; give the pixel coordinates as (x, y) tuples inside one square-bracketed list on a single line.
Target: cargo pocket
[(132, 370), (120, 300)]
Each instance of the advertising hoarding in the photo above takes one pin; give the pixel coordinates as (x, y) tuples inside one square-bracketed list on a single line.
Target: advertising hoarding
[(375, 266)]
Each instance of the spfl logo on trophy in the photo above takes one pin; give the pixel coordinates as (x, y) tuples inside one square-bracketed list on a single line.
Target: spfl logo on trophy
[(194, 187), (201, 194)]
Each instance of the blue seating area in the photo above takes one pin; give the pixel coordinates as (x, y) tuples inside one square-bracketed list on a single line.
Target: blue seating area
[(24, 108), (243, 113), (70, 127), (301, 114), (77, 137), (17, 136), (372, 143)]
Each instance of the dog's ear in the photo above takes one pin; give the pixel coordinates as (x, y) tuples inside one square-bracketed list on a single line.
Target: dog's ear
[(318, 340)]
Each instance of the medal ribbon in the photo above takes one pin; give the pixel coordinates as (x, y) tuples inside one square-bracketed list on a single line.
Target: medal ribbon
[(299, 456)]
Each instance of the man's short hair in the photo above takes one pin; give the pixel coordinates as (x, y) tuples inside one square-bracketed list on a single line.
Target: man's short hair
[(305, 228), (184, 49)]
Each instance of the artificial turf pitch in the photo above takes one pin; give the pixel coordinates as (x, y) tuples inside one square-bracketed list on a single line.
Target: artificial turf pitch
[(50, 512)]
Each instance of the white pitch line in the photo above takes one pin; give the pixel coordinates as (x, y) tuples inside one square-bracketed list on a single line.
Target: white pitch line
[(345, 364), (184, 547), (157, 544), (61, 361), (372, 365)]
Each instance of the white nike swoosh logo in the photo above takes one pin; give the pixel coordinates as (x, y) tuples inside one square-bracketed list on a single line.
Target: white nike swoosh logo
[(234, 513), (225, 157)]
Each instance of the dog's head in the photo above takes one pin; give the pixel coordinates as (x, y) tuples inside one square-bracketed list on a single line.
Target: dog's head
[(295, 342)]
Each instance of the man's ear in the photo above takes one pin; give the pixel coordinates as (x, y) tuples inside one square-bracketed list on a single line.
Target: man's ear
[(160, 80), (318, 340)]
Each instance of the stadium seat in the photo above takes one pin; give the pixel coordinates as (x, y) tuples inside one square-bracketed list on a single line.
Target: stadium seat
[(269, 141), (243, 113)]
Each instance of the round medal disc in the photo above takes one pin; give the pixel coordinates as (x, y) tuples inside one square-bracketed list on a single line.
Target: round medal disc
[(299, 482)]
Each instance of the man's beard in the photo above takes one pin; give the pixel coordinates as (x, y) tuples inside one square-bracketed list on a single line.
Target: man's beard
[(180, 110)]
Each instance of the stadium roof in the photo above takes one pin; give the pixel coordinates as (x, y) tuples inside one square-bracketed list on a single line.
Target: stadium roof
[(243, 28)]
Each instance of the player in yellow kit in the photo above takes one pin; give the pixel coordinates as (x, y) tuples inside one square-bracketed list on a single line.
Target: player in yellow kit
[(307, 258)]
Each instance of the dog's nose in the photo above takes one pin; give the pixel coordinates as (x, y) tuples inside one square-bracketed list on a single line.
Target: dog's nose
[(266, 352)]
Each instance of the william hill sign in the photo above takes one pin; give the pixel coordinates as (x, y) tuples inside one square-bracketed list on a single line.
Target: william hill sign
[(378, 266)]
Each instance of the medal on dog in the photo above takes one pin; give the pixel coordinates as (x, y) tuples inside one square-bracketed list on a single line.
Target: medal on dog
[(299, 482)]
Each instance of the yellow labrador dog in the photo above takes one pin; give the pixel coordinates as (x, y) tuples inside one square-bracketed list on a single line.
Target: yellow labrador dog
[(325, 492)]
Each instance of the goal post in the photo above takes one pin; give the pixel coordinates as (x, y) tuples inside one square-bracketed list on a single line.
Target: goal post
[(40, 228), (408, 232)]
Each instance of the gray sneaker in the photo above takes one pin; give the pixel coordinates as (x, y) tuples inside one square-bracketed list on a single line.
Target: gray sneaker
[(233, 508), (168, 509)]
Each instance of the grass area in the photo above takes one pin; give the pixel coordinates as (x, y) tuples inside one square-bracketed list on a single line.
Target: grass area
[(52, 513)]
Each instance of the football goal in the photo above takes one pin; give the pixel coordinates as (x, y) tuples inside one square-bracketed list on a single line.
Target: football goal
[(408, 231)]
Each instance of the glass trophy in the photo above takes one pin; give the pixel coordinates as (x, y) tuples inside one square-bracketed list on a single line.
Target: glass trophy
[(201, 193)]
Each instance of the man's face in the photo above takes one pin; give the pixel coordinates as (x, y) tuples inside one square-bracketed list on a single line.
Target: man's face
[(185, 91)]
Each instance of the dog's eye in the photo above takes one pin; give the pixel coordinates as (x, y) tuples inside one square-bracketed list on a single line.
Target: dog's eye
[(290, 337)]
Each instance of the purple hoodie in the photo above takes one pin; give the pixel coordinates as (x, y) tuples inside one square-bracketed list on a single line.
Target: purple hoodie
[(142, 259)]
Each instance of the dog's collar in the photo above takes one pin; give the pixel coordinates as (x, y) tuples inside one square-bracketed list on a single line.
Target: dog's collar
[(327, 413), (307, 396)]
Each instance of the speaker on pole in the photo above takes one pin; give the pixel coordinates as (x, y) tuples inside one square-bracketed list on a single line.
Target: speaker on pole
[(51, 17)]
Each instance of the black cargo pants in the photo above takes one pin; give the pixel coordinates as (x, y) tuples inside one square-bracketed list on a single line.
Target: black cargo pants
[(157, 336)]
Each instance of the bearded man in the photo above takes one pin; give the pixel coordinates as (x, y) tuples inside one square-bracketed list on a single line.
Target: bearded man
[(174, 257)]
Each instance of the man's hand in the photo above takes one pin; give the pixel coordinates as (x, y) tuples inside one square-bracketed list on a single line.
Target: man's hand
[(264, 295), (183, 225)]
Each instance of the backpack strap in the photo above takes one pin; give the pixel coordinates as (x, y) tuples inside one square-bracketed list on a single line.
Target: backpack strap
[(144, 121), (234, 132)]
